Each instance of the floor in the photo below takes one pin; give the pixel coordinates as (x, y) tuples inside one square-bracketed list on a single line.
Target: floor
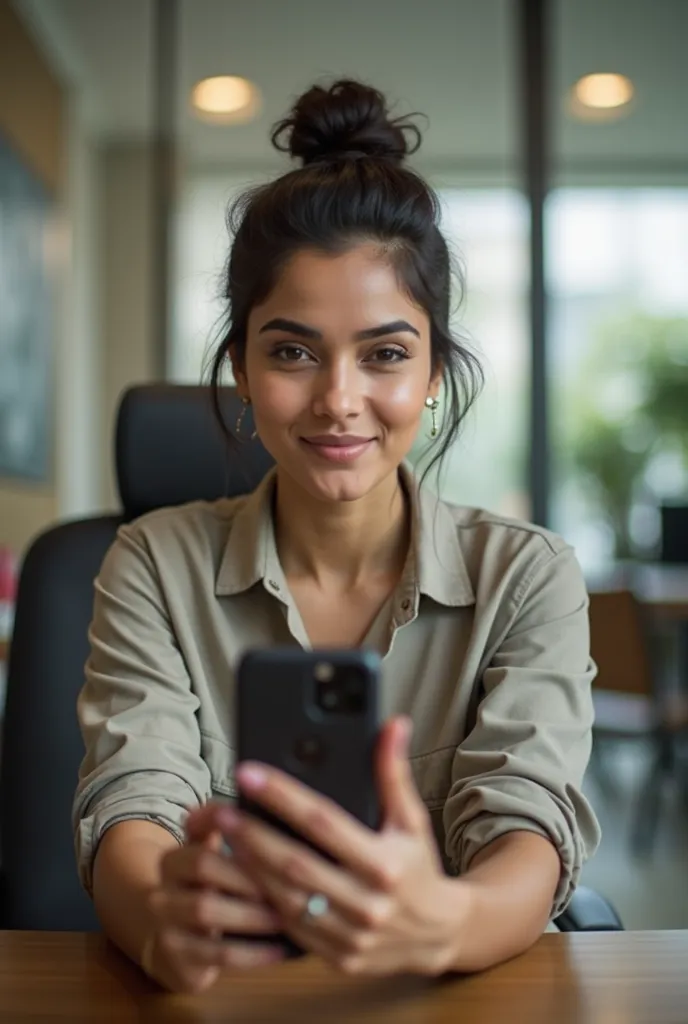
[(647, 894)]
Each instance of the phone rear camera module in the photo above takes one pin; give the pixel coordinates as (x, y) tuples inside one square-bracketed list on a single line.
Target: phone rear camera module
[(342, 694)]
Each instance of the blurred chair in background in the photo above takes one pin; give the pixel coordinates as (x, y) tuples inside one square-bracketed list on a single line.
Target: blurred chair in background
[(630, 704)]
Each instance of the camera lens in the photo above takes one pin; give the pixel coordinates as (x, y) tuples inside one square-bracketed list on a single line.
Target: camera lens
[(344, 693), (329, 698)]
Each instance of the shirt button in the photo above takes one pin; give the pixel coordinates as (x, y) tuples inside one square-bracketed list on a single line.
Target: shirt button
[(275, 586), (406, 604)]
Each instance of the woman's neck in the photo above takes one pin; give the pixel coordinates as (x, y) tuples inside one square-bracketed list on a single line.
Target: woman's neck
[(341, 545)]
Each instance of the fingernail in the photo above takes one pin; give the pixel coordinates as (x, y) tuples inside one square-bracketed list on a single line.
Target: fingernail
[(403, 737), (228, 819), (251, 776)]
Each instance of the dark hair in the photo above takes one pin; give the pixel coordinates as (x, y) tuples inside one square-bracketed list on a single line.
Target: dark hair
[(352, 186)]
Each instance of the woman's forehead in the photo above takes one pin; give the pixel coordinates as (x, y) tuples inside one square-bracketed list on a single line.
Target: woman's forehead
[(359, 281)]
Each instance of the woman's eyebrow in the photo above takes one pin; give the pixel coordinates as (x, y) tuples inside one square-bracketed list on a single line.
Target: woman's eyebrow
[(394, 327), (293, 327)]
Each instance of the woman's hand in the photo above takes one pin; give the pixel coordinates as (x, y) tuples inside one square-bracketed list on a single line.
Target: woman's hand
[(203, 896), (387, 893)]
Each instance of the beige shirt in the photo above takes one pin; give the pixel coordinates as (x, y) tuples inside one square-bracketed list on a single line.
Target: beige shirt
[(486, 647)]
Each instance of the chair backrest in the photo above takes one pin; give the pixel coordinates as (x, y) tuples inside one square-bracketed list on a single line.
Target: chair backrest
[(168, 451), (618, 643)]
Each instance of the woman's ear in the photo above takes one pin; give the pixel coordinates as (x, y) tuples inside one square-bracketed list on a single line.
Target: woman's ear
[(435, 383), (238, 373)]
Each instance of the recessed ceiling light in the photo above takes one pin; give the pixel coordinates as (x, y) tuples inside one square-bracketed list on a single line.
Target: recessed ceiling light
[(601, 97), (225, 99)]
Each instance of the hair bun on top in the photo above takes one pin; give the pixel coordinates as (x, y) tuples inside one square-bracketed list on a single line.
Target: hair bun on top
[(348, 120)]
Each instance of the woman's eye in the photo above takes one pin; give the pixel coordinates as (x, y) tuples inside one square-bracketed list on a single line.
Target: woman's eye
[(291, 353), (389, 354)]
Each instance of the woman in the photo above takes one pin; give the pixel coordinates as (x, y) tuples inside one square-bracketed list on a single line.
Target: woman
[(338, 335)]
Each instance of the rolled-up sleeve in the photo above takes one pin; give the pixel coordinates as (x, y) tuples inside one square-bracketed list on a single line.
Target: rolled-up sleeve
[(521, 767), (137, 711)]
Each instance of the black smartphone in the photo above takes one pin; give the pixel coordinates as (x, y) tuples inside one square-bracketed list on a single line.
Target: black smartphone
[(314, 715)]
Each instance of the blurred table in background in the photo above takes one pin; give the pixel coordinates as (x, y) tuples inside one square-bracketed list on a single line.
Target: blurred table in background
[(661, 588)]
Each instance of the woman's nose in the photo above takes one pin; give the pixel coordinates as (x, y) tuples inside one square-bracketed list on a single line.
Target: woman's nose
[(339, 392)]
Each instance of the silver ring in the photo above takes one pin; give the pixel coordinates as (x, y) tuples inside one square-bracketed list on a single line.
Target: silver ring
[(317, 906)]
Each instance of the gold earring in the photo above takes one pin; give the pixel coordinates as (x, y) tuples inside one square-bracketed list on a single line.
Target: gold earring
[(240, 420), (433, 405)]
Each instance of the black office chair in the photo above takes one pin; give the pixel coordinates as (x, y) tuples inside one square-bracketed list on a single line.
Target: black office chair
[(168, 451)]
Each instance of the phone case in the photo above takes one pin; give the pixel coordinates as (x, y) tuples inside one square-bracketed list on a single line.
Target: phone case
[(276, 712)]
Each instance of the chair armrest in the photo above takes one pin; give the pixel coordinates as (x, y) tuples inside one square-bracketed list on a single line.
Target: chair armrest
[(588, 911)]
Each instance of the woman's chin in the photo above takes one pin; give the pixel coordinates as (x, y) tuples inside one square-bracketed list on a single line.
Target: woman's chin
[(338, 484)]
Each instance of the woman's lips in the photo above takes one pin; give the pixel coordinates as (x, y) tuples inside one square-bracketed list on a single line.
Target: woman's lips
[(338, 449)]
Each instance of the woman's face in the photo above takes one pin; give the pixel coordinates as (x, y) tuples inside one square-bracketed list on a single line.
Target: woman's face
[(337, 368)]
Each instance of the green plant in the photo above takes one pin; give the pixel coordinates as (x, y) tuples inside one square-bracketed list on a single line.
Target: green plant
[(628, 416)]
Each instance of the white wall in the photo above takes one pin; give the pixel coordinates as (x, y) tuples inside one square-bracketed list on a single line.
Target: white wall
[(79, 438), (128, 284)]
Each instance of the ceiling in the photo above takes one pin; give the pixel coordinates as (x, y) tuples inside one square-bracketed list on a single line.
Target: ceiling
[(455, 60)]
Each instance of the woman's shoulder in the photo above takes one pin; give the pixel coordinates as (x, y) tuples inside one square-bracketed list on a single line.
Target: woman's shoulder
[(506, 548), (475, 524), (181, 536), (185, 520)]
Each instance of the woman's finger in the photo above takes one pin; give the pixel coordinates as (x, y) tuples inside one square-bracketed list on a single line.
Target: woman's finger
[(196, 865), (197, 951), (354, 954), (199, 824), (310, 814), (329, 936), (206, 911), (269, 856), (401, 804), (335, 931)]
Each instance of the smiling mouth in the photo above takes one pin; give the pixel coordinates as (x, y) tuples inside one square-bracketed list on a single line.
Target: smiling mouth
[(338, 449)]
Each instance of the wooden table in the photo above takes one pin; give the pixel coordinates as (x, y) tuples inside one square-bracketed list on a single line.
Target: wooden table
[(629, 977)]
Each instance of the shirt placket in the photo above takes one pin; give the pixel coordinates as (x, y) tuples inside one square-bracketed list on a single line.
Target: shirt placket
[(404, 608), (276, 586)]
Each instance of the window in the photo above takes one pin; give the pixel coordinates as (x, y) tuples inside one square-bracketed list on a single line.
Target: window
[(488, 231), (618, 279)]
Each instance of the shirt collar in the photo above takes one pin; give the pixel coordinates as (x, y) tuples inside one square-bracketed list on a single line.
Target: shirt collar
[(435, 566), (440, 568), (250, 554)]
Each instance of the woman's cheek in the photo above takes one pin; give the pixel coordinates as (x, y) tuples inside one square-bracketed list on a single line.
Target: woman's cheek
[(280, 399), (401, 401)]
